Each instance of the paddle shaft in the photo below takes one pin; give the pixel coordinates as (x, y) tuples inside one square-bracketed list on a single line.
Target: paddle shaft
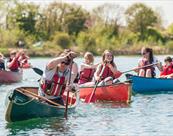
[(68, 83), (140, 67), (93, 92), (40, 97)]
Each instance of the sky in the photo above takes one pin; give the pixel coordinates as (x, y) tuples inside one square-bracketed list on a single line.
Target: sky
[(164, 7)]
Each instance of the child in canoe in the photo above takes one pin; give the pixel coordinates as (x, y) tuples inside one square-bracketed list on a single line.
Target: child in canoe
[(147, 59), (13, 63), (2, 62), (167, 68), (87, 68), (107, 71), (24, 59)]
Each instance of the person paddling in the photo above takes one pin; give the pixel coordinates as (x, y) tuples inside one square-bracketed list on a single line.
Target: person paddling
[(110, 70), (87, 68), (167, 68), (148, 58), (13, 63), (55, 77), (2, 62)]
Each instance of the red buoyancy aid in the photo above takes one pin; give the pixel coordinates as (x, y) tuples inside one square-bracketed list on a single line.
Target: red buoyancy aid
[(24, 59), (86, 75), (107, 73), (55, 87), (14, 65), (167, 70)]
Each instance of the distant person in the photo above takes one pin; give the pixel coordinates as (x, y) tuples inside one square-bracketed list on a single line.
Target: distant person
[(13, 63), (56, 76), (2, 62), (87, 68), (106, 72), (147, 59), (23, 58), (167, 68)]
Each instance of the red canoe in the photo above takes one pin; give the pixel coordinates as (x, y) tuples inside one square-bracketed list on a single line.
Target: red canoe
[(119, 92), (10, 77), (26, 65)]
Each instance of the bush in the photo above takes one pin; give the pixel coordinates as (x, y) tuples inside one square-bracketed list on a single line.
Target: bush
[(169, 45), (9, 38), (61, 39), (86, 42)]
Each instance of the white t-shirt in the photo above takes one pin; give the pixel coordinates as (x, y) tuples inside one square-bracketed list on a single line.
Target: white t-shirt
[(48, 74)]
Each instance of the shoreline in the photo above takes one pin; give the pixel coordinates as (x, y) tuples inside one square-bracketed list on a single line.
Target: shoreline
[(53, 53)]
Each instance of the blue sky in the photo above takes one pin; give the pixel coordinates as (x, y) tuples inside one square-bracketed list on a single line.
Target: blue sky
[(164, 7)]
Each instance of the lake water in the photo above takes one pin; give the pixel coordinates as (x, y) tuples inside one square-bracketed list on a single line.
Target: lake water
[(146, 115)]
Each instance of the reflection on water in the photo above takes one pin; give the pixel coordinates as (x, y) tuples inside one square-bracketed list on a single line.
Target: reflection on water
[(41, 126)]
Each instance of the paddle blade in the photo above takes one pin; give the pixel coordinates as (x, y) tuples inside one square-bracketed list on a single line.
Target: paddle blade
[(38, 71)]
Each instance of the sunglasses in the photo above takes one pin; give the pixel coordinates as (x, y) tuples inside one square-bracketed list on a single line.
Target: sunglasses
[(66, 63), (143, 53)]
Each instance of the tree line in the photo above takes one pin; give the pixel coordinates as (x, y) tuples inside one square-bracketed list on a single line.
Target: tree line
[(61, 25)]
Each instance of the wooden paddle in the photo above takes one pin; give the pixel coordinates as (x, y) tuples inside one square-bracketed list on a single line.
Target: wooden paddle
[(140, 67), (68, 83), (91, 97), (40, 97)]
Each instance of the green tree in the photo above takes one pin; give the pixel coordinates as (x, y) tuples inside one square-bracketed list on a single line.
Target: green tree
[(140, 17), (109, 16), (62, 17), (23, 16)]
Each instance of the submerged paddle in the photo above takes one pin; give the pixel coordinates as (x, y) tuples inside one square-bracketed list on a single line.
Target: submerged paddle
[(68, 83), (91, 97)]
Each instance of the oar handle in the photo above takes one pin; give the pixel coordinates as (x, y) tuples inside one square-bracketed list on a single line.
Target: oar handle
[(40, 97), (141, 67)]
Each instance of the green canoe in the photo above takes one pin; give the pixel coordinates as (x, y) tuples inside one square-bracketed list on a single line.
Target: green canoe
[(24, 103)]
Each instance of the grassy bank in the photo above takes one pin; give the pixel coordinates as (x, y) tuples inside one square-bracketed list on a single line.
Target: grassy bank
[(48, 52)]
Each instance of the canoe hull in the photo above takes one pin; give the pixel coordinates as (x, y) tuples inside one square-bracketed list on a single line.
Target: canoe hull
[(120, 92), (151, 85), (10, 77), (22, 107)]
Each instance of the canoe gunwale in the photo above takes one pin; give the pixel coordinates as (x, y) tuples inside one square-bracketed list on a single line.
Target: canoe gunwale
[(114, 84)]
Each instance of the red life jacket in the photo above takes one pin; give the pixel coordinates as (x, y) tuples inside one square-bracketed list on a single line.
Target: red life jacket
[(86, 75), (25, 59), (107, 73), (167, 70), (55, 87), (15, 65)]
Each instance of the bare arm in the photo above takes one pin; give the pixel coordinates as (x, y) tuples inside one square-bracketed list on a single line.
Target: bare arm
[(97, 73), (74, 71), (53, 63)]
